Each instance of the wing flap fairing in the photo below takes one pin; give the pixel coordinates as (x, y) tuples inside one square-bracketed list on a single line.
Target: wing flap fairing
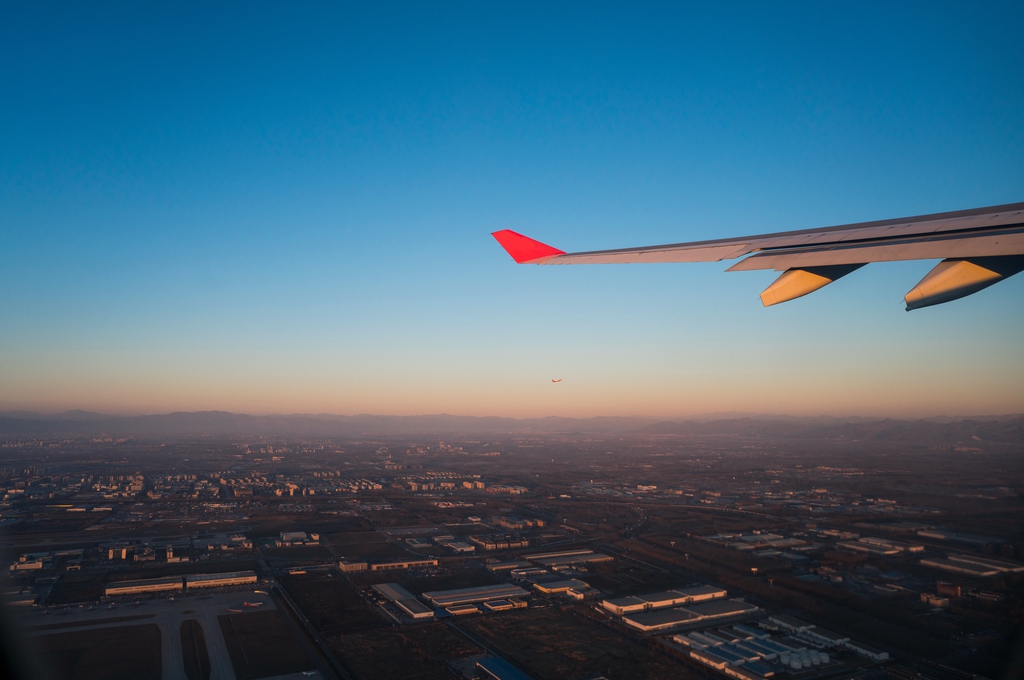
[(953, 279), (796, 283)]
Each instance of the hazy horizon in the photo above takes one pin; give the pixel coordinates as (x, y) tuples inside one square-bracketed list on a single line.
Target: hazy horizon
[(714, 415)]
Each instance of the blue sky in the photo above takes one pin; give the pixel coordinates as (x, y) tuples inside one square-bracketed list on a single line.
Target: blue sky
[(271, 208)]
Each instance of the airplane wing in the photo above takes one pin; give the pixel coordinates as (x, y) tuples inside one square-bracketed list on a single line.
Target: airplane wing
[(978, 248)]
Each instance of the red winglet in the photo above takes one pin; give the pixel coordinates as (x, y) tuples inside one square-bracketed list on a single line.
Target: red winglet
[(524, 249)]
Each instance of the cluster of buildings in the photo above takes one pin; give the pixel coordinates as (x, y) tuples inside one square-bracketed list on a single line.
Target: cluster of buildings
[(518, 523), (528, 577), (879, 546), (672, 608), (46, 560), (740, 651), (768, 544), (44, 483), (510, 489), (756, 540), (778, 643), (287, 539), (500, 541), (430, 481), (35, 484), (356, 565), (174, 550), (136, 551), (820, 638), (453, 544), (760, 497)]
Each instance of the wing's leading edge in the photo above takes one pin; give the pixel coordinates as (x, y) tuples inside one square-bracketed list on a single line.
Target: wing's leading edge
[(989, 239)]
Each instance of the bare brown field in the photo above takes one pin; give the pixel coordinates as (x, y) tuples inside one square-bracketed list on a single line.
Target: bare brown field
[(331, 604), (376, 551), (557, 645), (356, 537), (408, 651), (262, 645), (124, 653), (301, 552)]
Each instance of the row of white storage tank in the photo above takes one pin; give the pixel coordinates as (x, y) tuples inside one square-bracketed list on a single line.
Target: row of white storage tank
[(805, 659)]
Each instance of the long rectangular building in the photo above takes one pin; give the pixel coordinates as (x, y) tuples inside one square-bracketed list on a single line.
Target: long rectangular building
[(668, 598), (971, 569), (149, 585), (408, 564), (562, 553), (1001, 565), (568, 557), (231, 578), (404, 600), (508, 566), (446, 598), (660, 619), (551, 587)]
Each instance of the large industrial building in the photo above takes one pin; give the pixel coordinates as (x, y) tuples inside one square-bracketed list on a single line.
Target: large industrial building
[(178, 583), (661, 619), (744, 652), (669, 598), (447, 598), (404, 600), (408, 564), (148, 585), (822, 638), (508, 566), (231, 578), (500, 541), (562, 586), (973, 566), (567, 558)]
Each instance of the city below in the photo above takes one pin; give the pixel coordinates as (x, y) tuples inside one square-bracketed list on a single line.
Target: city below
[(744, 548)]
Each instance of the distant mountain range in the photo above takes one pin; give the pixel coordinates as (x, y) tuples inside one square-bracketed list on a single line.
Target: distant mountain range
[(942, 431)]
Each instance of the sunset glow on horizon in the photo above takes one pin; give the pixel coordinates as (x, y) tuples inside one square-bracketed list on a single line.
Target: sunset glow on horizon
[(288, 209)]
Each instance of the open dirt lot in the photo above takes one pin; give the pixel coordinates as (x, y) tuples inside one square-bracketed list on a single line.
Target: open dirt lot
[(408, 651), (128, 652), (557, 645), (262, 645), (331, 604)]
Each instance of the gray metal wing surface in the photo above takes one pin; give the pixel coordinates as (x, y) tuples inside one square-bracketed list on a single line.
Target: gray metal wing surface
[(978, 247)]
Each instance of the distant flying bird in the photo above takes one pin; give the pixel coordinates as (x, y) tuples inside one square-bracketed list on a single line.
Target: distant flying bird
[(556, 380), (980, 247)]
